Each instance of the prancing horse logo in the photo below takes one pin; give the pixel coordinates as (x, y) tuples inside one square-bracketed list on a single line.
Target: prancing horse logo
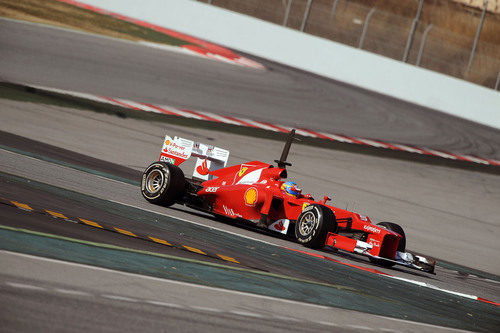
[(242, 171)]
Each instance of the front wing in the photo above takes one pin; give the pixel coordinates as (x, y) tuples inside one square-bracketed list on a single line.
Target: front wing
[(410, 260)]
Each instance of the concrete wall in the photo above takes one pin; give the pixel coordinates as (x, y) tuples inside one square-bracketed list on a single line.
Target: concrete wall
[(317, 55)]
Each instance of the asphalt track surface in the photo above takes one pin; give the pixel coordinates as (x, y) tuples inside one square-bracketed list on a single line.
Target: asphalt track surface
[(41, 55), (27, 289), (450, 213), (86, 164), (132, 302)]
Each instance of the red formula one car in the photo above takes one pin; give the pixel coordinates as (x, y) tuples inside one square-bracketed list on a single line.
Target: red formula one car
[(256, 192)]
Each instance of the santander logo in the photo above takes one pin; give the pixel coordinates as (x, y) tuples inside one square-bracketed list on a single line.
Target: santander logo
[(170, 151), (279, 226), (202, 169), (173, 149)]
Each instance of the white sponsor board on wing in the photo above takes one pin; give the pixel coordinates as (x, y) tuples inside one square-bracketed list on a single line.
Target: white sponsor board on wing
[(317, 55), (209, 158)]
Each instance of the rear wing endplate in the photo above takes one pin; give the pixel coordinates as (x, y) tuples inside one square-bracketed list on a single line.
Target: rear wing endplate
[(209, 158)]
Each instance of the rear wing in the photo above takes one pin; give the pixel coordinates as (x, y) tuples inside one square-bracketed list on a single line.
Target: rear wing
[(209, 158)]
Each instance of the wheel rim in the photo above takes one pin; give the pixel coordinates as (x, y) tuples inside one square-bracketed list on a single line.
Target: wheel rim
[(155, 181), (307, 223)]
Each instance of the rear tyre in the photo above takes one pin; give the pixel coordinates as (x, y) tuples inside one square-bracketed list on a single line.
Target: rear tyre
[(401, 246), (163, 183), (313, 226)]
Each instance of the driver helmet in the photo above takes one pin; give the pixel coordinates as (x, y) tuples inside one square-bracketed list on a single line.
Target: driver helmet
[(291, 189)]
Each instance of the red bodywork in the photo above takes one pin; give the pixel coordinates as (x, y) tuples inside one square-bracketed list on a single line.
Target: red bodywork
[(251, 191)]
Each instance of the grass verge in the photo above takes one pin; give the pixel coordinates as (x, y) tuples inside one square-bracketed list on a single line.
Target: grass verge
[(60, 14)]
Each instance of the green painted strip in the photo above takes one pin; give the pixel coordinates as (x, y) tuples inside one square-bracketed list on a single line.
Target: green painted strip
[(70, 165), (387, 298), (217, 238), (366, 293), (166, 256)]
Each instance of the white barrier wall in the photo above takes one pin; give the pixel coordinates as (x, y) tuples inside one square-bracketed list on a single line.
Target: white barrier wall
[(316, 55)]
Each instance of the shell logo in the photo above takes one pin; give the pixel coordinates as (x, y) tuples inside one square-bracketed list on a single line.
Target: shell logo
[(167, 142), (251, 196)]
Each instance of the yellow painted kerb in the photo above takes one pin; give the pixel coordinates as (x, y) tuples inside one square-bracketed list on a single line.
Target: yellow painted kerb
[(56, 214), (21, 205), (159, 240), (93, 224), (193, 249), (125, 232), (226, 258)]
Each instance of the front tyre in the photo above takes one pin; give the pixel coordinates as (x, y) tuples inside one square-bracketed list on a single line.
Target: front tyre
[(313, 226), (401, 246), (162, 183)]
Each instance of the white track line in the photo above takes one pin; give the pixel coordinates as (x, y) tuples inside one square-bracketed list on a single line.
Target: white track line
[(72, 292), (24, 286), (209, 116), (120, 298)]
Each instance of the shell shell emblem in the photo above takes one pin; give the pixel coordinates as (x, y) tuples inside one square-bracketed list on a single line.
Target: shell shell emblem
[(251, 196)]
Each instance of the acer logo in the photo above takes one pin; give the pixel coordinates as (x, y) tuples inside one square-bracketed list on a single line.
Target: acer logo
[(211, 189), (202, 169)]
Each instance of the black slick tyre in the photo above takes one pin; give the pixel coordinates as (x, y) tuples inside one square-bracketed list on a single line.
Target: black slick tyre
[(397, 229), (313, 225), (401, 246), (163, 183)]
